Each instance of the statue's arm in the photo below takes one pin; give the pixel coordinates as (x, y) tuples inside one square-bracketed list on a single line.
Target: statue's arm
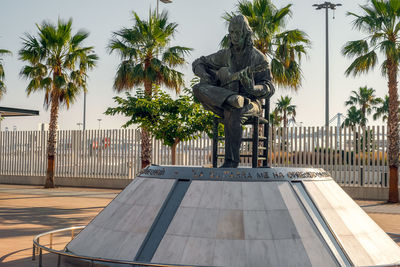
[(259, 84), (201, 69), (205, 67)]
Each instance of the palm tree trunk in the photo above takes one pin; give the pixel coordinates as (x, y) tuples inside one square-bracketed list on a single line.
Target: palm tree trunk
[(173, 151), (363, 111), (146, 148), (51, 143), (284, 119), (146, 136), (393, 133)]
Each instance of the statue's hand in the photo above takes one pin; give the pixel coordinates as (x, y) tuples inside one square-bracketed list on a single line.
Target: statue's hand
[(207, 78), (247, 79)]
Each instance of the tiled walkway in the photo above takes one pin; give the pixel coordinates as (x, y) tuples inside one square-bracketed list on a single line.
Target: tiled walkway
[(26, 211)]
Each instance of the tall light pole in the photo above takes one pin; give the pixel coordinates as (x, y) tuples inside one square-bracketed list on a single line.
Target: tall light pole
[(327, 6), (99, 122), (164, 1), (84, 110)]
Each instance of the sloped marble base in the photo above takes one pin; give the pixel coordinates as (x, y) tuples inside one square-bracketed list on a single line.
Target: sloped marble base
[(236, 217)]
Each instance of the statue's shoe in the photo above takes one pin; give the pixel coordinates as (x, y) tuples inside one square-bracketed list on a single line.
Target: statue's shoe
[(237, 101)]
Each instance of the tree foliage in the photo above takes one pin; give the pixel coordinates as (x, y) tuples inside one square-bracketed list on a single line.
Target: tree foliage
[(382, 110), (275, 118), (354, 117), (284, 47), (169, 120), (3, 88), (365, 100), (146, 57), (285, 109), (57, 62), (380, 21)]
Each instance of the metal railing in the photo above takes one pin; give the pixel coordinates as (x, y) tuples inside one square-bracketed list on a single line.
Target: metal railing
[(39, 248)]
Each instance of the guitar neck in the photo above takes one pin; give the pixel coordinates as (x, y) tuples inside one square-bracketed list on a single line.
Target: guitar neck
[(252, 69)]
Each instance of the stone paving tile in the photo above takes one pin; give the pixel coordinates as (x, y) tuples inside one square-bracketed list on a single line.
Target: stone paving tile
[(28, 211), (379, 206)]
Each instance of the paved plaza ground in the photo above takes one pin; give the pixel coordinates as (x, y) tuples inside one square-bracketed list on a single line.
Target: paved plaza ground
[(26, 211)]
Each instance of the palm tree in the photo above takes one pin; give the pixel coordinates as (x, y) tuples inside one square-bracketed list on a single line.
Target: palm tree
[(2, 85), (354, 117), (284, 47), (57, 64), (286, 109), (147, 60), (382, 110), (274, 118), (366, 100), (380, 21)]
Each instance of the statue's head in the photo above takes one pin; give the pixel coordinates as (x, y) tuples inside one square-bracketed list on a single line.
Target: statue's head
[(240, 32)]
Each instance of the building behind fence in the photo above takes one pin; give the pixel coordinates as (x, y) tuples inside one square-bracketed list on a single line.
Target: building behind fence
[(354, 156)]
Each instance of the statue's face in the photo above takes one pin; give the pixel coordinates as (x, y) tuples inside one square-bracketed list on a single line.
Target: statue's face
[(236, 34)]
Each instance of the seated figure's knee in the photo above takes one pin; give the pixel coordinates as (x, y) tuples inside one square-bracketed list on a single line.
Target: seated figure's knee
[(197, 90)]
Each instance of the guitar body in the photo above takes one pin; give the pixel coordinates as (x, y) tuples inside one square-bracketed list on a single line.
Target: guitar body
[(224, 76)]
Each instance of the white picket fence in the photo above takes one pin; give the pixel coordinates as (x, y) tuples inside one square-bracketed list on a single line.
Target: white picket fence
[(354, 156)]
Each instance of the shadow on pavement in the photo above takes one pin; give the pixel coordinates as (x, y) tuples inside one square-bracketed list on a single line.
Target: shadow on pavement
[(44, 217)]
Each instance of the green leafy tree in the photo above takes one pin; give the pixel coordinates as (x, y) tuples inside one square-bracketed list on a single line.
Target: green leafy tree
[(147, 59), (169, 120), (58, 65), (366, 100), (3, 88), (285, 109), (354, 117), (379, 20), (284, 47)]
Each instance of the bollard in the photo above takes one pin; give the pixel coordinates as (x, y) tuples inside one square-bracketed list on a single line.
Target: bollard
[(386, 179), (33, 252), (40, 258)]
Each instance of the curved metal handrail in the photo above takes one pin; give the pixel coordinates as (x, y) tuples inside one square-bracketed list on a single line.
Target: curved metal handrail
[(37, 245)]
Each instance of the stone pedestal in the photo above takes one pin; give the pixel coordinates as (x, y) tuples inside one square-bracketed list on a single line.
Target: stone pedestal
[(236, 217)]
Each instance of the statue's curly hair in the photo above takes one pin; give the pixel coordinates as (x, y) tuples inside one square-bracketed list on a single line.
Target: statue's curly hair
[(242, 20)]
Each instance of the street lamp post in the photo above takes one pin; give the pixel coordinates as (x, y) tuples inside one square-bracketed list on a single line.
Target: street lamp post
[(326, 5), (99, 122), (164, 1), (79, 125), (84, 110)]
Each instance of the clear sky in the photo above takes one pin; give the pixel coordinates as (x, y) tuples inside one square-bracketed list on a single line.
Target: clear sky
[(201, 28)]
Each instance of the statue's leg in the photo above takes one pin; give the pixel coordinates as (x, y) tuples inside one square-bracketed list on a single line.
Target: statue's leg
[(233, 136), (252, 109), (212, 97), (233, 119)]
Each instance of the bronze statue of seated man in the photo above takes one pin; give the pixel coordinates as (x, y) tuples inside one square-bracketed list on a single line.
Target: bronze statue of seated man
[(232, 83)]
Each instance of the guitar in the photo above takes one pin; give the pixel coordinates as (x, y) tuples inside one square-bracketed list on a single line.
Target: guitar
[(230, 80)]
